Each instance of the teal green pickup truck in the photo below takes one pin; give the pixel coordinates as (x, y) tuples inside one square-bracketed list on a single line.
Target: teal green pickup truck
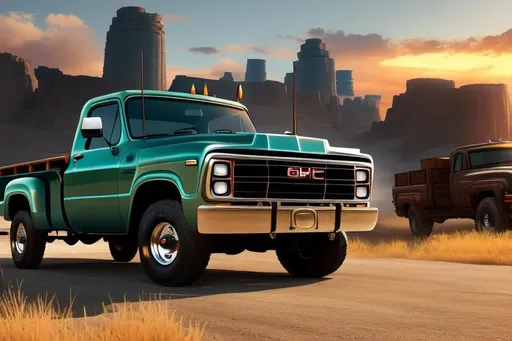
[(176, 177)]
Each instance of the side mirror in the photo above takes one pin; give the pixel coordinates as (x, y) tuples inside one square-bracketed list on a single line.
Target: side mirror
[(288, 133), (92, 127)]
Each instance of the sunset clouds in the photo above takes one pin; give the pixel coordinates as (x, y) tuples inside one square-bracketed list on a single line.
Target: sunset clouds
[(65, 42), (380, 64)]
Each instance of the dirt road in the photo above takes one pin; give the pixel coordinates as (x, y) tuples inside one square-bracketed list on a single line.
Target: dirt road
[(250, 297)]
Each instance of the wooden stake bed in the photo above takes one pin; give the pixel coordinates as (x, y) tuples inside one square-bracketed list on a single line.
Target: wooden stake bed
[(36, 166)]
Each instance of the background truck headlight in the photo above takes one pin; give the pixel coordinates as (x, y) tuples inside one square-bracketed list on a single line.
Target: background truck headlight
[(362, 175), (220, 169), (220, 188)]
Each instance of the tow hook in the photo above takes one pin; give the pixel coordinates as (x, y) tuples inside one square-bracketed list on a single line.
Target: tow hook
[(332, 236)]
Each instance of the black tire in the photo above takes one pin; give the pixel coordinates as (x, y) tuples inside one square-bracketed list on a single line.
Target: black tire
[(34, 243), (488, 217), (421, 227), (324, 257), (123, 249), (193, 248)]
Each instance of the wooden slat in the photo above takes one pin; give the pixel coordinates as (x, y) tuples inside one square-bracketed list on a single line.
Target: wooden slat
[(31, 164)]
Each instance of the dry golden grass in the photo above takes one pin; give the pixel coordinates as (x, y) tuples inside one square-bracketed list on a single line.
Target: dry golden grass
[(461, 247), (42, 320)]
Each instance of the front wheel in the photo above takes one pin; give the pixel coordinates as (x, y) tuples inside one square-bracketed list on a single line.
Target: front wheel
[(171, 252), (323, 256), (27, 243), (488, 217)]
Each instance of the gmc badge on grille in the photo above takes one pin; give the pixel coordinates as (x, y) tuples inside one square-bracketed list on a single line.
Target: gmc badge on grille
[(305, 173)]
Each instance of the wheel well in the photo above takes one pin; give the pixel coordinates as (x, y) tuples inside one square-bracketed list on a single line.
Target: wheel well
[(481, 196), (148, 193), (17, 202)]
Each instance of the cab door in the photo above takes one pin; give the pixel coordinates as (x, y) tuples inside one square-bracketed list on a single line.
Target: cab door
[(459, 182), (91, 190)]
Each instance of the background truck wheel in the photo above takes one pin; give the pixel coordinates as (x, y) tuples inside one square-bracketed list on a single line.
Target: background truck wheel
[(488, 217), (420, 227), (321, 258), (27, 243), (171, 253), (123, 249)]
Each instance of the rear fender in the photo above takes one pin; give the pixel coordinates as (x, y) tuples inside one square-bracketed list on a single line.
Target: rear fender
[(34, 191)]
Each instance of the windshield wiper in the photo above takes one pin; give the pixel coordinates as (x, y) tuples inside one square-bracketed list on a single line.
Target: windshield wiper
[(183, 131), (158, 135), (219, 131)]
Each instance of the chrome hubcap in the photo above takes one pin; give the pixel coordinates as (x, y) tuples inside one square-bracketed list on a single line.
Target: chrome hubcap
[(487, 223), (164, 244), (21, 239)]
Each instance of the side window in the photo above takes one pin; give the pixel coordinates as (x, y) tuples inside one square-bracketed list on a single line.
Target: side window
[(111, 120), (457, 165)]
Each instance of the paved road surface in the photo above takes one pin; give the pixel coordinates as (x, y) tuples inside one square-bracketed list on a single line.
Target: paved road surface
[(250, 297)]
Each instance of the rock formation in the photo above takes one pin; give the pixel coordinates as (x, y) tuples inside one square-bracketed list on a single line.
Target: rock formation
[(256, 71), (433, 112), (265, 93), (17, 83), (315, 69), (228, 76), (344, 83), (131, 31)]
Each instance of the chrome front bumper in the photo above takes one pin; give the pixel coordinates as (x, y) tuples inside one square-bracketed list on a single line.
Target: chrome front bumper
[(224, 219)]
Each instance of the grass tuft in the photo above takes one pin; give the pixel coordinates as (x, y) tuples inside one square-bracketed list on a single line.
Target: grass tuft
[(461, 247), (22, 319)]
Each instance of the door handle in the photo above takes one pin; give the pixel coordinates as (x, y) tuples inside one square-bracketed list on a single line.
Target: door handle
[(78, 156), (130, 170)]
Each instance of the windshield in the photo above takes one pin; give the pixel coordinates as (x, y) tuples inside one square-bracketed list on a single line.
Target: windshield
[(489, 156), (167, 116)]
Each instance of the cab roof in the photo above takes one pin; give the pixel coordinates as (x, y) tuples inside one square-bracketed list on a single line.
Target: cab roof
[(486, 145), (122, 95)]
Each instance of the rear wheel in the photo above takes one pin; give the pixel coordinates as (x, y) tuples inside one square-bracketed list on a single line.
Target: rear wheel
[(488, 217), (421, 227), (27, 243), (123, 249), (321, 258), (171, 252)]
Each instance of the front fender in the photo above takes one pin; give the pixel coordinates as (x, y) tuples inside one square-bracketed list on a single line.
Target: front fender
[(497, 187), (126, 207), (34, 190)]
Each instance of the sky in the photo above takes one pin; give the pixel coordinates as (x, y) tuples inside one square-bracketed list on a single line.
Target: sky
[(383, 42)]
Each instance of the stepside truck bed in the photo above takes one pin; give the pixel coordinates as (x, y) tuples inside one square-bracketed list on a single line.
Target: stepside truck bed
[(426, 188), (55, 162), (46, 175)]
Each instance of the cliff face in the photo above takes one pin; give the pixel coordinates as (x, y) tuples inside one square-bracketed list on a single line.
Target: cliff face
[(434, 112), (17, 83)]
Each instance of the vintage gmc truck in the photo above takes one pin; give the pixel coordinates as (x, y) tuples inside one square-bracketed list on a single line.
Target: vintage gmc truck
[(177, 177), (474, 182)]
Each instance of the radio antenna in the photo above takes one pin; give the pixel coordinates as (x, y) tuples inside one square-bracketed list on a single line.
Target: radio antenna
[(142, 92), (294, 109)]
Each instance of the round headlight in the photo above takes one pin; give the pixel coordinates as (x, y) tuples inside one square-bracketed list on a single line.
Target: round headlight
[(220, 169), (361, 175), (220, 188)]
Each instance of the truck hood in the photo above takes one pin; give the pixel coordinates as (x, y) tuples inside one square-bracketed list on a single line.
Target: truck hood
[(252, 141), (194, 146)]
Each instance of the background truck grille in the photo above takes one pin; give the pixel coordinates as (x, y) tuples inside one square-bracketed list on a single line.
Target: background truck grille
[(268, 179)]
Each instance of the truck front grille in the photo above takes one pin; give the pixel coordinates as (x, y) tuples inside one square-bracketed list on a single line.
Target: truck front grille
[(269, 179)]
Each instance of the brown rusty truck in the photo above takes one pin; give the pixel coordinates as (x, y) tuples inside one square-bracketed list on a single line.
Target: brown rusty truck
[(474, 182)]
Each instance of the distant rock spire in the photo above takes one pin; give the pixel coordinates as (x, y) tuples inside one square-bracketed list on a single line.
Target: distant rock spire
[(133, 30)]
